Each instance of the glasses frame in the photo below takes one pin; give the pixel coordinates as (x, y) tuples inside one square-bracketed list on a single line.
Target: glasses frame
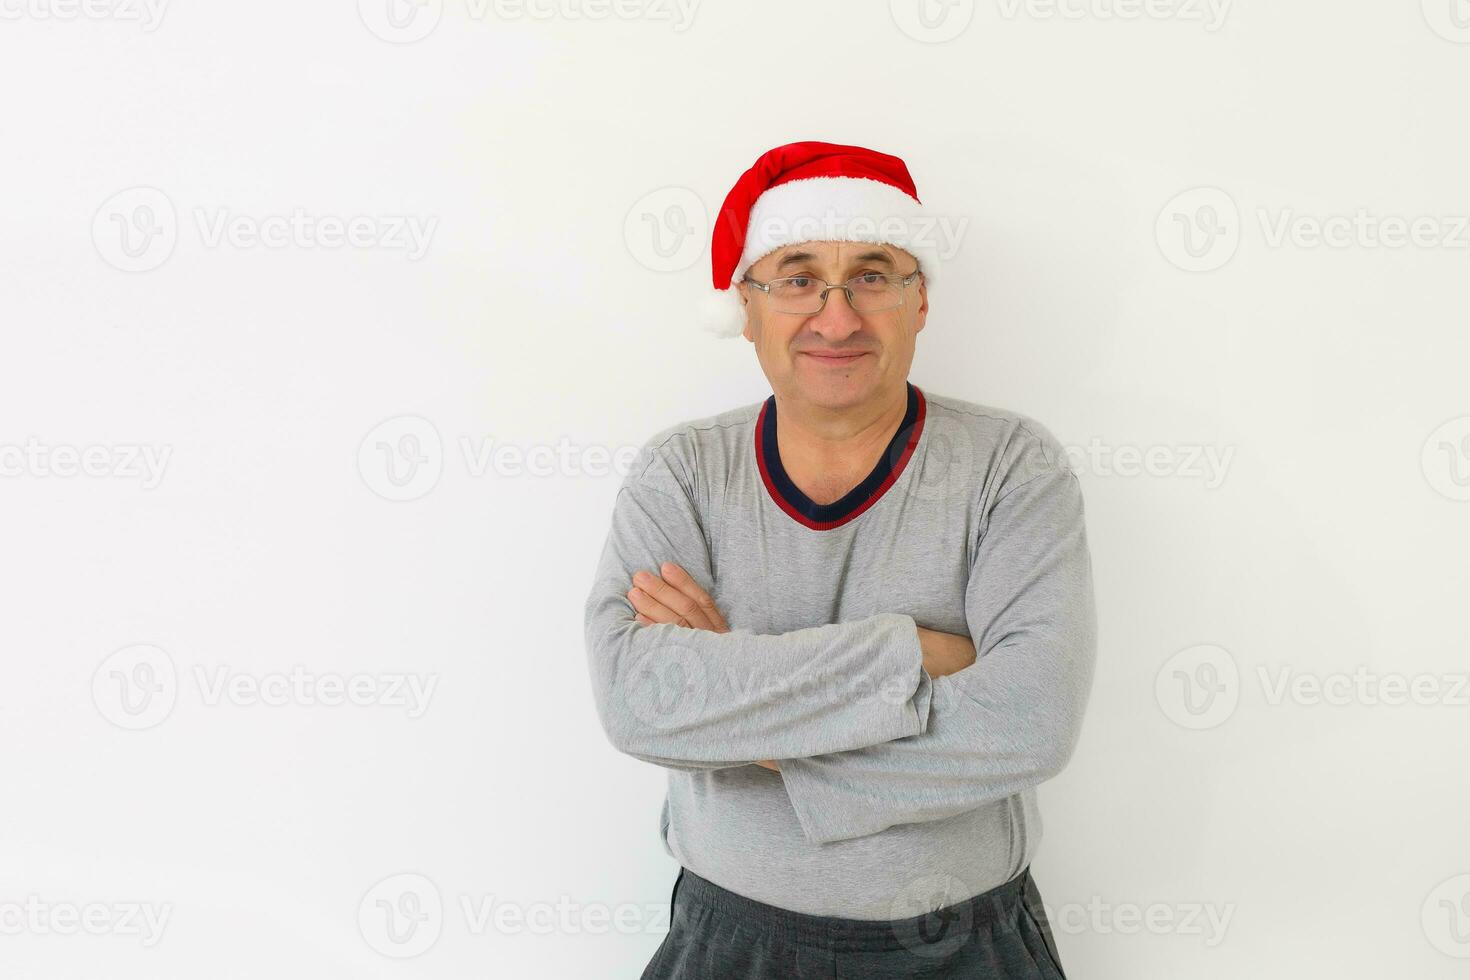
[(902, 281)]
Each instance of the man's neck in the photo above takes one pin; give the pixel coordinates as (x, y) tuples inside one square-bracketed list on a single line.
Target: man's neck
[(826, 453)]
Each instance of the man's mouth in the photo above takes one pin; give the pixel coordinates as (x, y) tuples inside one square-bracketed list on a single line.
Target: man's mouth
[(835, 357)]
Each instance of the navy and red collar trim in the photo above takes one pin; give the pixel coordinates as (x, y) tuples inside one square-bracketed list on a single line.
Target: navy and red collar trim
[(822, 517)]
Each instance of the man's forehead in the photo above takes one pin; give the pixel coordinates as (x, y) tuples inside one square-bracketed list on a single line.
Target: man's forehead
[(849, 252)]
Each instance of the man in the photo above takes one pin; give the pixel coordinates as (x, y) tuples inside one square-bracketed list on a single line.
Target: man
[(854, 621)]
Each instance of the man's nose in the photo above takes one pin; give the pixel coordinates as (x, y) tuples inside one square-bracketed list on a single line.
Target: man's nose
[(836, 317)]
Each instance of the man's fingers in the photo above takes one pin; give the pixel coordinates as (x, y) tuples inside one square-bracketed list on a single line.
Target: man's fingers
[(671, 598), (653, 610), (684, 582), (675, 597)]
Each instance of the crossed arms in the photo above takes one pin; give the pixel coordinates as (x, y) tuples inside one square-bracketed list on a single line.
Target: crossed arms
[(674, 597), (872, 722)]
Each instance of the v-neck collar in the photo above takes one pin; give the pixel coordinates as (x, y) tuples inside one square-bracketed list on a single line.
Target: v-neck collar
[(823, 517)]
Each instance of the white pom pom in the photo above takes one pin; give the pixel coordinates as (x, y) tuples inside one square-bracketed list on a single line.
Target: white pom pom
[(721, 313)]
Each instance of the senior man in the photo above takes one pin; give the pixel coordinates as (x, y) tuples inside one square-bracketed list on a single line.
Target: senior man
[(854, 621)]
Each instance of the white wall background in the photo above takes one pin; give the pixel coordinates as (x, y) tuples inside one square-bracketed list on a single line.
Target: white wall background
[(1213, 824)]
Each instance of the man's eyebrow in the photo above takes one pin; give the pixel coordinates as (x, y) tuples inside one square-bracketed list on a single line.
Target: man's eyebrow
[(796, 258)]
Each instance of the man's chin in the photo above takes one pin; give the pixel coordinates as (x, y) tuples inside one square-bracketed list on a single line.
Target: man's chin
[(831, 388)]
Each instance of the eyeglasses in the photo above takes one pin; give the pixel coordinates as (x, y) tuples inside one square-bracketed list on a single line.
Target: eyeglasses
[(871, 292)]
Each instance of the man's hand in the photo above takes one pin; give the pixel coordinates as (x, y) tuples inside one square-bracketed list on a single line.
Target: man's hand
[(945, 653), (674, 598)]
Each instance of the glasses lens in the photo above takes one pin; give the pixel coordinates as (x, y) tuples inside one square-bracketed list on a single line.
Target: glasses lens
[(799, 294), (871, 293)]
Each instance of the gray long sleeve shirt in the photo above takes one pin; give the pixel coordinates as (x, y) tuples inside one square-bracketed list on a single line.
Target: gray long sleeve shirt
[(971, 523)]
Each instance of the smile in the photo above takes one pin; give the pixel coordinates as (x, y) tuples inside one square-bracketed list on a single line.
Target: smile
[(835, 358)]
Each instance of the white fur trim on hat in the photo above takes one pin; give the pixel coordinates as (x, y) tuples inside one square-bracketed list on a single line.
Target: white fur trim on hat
[(722, 313)]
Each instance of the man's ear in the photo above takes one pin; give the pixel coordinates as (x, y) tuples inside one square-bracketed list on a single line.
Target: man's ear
[(745, 305), (923, 313)]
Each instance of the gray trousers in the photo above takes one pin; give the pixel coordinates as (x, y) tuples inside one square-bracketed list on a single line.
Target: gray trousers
[(715, 934)]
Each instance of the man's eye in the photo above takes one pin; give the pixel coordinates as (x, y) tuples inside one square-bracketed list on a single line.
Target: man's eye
[(869, 278), (801, 282)]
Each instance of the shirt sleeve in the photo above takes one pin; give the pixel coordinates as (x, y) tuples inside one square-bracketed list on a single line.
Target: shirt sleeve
[(693, 699), (1010, 720)]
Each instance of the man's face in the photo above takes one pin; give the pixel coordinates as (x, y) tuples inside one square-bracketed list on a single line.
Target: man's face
[(835, 358)]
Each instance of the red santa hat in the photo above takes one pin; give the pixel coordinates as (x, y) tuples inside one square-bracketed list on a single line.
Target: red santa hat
[(811, 191)]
